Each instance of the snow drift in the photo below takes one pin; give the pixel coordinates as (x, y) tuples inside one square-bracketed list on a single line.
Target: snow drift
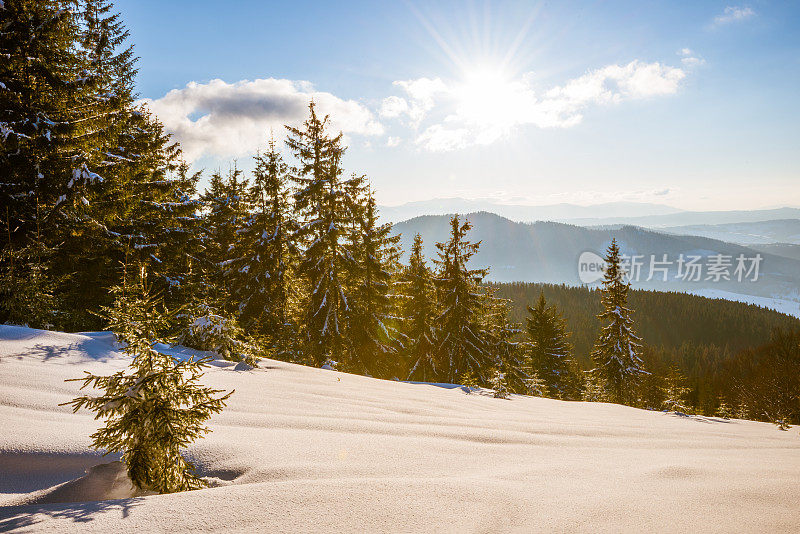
[(302, 449)]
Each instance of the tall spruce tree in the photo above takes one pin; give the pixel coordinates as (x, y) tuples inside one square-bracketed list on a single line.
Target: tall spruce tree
[(501, 336), (40, 95), (372, 319), (549, 350), (40, 144), (616, 353), (419, 311), (226, 202), (156, 407), (140, 203), (462, 346), (85, 171), (323, 208), (265, 255)]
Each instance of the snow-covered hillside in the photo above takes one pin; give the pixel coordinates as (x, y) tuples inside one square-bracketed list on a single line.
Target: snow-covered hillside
[(310, 450)]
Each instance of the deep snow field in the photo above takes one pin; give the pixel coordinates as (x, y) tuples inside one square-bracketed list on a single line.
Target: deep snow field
[(310, 450)]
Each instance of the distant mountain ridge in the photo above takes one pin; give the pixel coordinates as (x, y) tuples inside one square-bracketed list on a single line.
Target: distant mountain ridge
[(785, 231), (548, 252), (649, 215), (522, 213), (688, 218)]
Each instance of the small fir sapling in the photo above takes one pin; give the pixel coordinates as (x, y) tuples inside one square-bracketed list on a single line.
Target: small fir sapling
[(156, 406), (498, 383)]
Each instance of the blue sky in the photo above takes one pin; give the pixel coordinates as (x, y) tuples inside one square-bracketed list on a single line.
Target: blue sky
[(692, 104)]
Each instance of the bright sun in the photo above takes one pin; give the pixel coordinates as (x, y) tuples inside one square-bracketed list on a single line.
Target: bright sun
[(486, 95)]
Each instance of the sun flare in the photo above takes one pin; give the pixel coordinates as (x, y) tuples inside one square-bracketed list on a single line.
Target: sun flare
[(487, 95)]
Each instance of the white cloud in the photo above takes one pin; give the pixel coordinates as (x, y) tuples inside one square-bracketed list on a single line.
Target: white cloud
[(693, 61), (591, 197), (234, 119), (690, 59), (733, 14), (422, 94), (393, 106), (393, 141), (483, 110), (439, 138)]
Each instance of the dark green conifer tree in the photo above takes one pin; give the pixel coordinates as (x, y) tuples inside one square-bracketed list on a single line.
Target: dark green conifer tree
[(419, 311), (41, 160), (501, 335), (616, 353), (549, 350), (372, 320), (462, 346), (674, 391), (226, 203), (266, 255), (323, 209)]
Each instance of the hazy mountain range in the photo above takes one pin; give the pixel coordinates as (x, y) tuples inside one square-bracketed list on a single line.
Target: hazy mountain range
[(746, 233), (550, 251), (632, 213), (523, 213), (694, 218)]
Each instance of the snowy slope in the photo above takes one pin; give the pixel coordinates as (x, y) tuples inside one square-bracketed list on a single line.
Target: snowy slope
[(305, 450)]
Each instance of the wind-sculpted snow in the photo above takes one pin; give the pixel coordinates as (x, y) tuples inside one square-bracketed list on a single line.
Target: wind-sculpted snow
[(307, 450)]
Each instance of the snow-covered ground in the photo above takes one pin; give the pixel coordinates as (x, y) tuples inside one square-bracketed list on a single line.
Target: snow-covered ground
[(310, 450)]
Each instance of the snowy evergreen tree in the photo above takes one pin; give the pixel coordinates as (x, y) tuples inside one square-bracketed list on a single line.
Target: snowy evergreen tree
[(209, 331), (674, 391), (616, 353), (723, 410), (550, 352), (40, 144), (593, 389), (27, 291), (82, 166), (498, 385), (469, 381), (323, 209), (372, 319), (742, 410), (226, 202), (419, 330), (462, 346), (501, 334), (40, 93), (265, 255), (157, 406), (535, 386)]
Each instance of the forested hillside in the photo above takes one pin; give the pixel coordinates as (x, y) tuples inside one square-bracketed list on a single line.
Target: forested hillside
[(715, 345), (664, 319)]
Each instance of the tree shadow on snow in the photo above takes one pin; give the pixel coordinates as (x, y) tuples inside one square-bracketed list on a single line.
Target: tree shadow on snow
[(47, 352), (466, 389), (699, 418), (18, 517)]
